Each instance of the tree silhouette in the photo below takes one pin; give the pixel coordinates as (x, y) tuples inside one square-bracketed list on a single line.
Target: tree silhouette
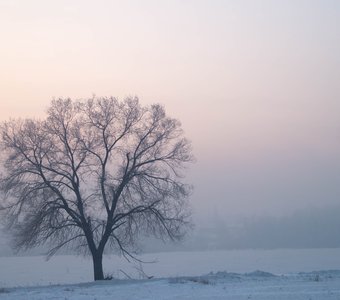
[(95, 174)]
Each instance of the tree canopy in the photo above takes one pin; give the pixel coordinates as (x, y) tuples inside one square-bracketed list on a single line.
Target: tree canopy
[(95, 174)]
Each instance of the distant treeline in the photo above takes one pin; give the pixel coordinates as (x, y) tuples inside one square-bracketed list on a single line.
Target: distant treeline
[(315, 228)]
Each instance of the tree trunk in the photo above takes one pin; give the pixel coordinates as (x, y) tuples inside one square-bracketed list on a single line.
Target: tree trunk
[(98, 265)]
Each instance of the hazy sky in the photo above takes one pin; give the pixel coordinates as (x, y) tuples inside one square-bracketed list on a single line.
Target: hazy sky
[(255, 84)]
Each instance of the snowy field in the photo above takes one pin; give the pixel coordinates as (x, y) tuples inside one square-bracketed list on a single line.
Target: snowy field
[(287, 274), (256, 286)]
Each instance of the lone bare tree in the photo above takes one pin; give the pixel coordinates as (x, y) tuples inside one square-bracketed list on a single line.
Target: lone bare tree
[(95, 174)]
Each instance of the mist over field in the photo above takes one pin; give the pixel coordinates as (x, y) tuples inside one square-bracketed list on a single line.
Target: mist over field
[(302, 230), (254, 84)]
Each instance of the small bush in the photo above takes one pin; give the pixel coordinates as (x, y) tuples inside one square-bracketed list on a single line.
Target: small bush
[(200, 280), (316, 278), (108, 277), (182, 280), (3, 290), (176, 280)]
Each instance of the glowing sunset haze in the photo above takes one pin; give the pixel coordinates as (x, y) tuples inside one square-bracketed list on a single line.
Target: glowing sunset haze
[(255, 85)]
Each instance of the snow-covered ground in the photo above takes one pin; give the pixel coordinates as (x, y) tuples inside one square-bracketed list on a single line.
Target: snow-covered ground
[(179, 275), (256, 285)]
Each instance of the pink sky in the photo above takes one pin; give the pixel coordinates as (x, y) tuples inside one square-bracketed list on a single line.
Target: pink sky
[(255, 84)]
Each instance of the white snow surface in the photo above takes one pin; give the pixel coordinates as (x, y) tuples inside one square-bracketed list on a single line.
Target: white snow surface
[(288, 274), (215, 286)]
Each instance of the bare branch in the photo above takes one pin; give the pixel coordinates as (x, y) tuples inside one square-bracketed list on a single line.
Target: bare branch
[(95, 174)]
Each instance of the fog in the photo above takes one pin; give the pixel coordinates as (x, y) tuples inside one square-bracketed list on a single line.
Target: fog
[(254, 83)]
